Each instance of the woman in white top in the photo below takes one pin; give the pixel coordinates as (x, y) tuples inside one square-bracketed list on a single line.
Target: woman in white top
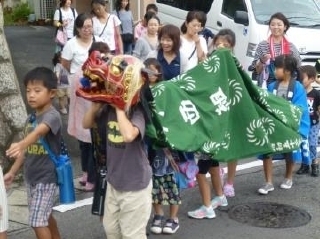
[(64, 17), (107, 26), (192, 44), (149, 41), (74, 54)]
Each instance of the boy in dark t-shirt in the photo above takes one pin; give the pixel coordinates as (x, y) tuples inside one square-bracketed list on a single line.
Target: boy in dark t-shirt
[(308, 75), (129, 185), (39, 169)]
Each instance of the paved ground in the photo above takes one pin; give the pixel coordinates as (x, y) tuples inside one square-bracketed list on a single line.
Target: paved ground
[(33, 46)]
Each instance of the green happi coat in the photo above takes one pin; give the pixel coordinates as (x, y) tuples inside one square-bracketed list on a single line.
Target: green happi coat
[(215, 108)]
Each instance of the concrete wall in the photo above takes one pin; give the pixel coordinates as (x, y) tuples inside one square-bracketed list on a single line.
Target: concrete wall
[(12, 108)]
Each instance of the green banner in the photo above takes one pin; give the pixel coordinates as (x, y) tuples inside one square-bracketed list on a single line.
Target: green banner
[(215, 108)]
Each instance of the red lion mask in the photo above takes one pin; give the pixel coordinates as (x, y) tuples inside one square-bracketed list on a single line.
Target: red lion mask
[(115, 81)]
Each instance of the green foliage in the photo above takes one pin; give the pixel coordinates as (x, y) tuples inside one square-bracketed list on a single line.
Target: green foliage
[(8, 21), (21, 12), (17, 14)]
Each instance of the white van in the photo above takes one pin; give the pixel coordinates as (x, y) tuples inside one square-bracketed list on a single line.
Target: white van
[(249, 20)]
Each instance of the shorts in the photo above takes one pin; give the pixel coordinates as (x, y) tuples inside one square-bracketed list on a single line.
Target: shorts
[(165, 190), (205, 164), (4, 219), (61, 92), (40, 203)]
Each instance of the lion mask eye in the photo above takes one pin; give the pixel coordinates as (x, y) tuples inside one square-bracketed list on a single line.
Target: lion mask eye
[(118, 66)]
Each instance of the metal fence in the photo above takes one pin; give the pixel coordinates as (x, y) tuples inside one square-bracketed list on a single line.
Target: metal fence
[(44, 9)]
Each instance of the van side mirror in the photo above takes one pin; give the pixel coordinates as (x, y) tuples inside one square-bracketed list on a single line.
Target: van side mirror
[(241, 17)]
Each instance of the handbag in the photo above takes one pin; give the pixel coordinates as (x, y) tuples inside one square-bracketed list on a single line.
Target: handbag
[(116, 40), (127, 38), (61, 36)]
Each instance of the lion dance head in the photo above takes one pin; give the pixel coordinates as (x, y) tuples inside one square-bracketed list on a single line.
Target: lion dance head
[(115, 81)]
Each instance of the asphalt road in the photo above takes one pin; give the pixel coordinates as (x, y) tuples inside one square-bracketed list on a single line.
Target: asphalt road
[(33, 46)]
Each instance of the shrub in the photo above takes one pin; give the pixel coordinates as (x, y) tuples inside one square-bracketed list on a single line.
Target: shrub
[(21, 12)]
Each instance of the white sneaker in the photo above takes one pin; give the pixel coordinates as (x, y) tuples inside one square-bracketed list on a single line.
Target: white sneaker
[(219, 201), (286, 184), (202, 212), (157, 224), (268, 187)]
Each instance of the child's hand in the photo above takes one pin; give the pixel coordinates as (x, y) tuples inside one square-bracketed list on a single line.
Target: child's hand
[(8, 179), (14, 151), (265, 58)]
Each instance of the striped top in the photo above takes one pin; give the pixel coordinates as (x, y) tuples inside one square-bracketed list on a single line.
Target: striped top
[(264, 48)]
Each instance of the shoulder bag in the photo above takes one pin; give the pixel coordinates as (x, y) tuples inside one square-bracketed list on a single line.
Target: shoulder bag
[(63, 170)]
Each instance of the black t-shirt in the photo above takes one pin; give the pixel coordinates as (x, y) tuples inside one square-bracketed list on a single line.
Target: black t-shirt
[(313, 105)]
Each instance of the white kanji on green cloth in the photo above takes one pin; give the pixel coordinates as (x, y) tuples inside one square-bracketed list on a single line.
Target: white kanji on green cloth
[(220, 100), (189, 111), (215, 108)]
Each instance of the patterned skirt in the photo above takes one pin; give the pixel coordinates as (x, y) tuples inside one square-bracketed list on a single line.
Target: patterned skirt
[(165, 190)]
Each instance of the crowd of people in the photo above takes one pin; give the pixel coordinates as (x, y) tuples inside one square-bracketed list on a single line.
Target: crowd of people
[(166, 51)]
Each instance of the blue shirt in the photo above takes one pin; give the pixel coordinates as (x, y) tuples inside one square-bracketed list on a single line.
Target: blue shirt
[(169, 70)]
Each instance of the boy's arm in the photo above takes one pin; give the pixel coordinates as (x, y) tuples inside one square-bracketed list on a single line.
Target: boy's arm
[(128, 131), (89, 118), (17, 149), (9, 176)]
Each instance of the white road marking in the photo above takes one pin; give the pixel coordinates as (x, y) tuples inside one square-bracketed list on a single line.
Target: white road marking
[(68, 207)]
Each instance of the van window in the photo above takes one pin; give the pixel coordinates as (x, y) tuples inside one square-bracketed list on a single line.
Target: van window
[(304, 13), (229, 8), (188, 5)]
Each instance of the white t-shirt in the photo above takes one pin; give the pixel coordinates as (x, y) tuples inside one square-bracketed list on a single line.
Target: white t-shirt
[(66, 15), (76, 53), (188, 48), (108, 34)]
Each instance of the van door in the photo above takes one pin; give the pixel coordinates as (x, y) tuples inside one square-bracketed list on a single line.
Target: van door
[(226, 20)]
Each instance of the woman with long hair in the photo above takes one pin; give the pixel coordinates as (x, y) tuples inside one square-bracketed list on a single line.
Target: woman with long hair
[(64, 17), (124, 13), (107, 26)]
